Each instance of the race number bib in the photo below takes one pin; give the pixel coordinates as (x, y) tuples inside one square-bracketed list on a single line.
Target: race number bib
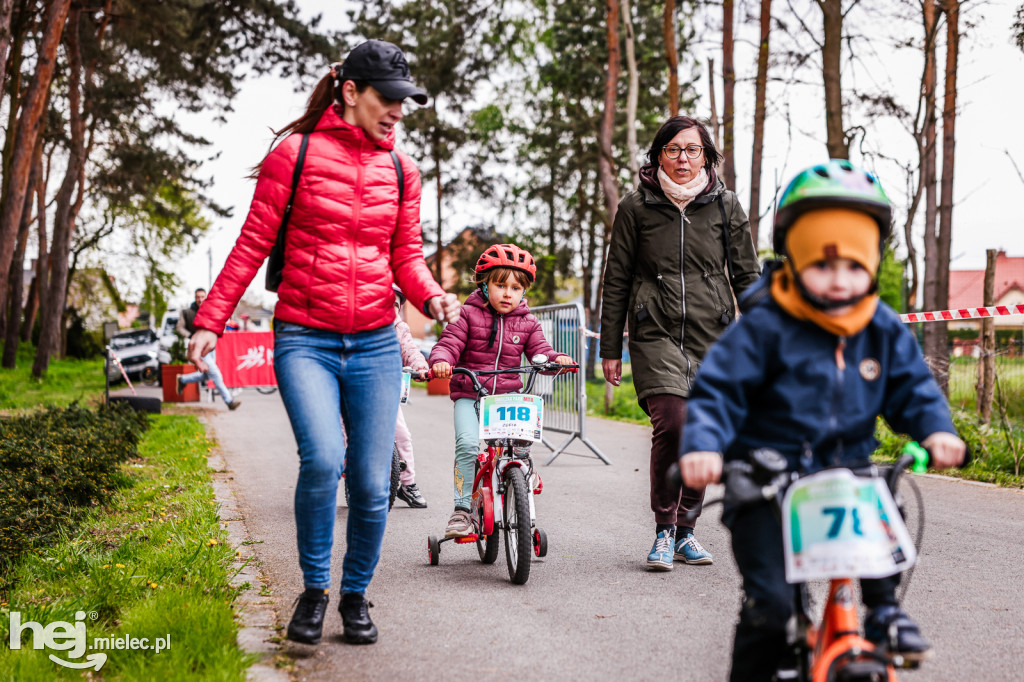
[(513, 415), (836, 525), (406, 386)]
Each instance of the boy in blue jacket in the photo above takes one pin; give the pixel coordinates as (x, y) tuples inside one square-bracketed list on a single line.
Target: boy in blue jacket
[(806, 372)]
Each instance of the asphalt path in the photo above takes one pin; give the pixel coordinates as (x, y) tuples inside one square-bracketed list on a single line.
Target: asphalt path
[(590, 609)]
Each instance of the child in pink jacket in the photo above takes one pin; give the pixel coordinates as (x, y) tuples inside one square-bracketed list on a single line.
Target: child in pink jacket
[(408, 491)]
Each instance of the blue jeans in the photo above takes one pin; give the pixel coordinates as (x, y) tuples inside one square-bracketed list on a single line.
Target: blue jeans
[(211, 374), (324, 378)]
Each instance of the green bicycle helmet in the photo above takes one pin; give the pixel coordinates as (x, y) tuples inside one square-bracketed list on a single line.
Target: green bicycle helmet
[(836, 184)]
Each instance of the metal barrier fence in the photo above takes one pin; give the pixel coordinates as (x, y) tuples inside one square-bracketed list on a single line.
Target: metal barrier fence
[(565, 400)]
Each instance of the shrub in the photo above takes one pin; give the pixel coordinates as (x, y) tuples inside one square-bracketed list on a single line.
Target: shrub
[(55, 461)]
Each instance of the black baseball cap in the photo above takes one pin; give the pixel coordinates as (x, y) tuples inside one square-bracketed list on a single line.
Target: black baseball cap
[(383, 66)]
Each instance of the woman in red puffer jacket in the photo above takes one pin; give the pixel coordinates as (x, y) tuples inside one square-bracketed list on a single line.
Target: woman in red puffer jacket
[(351, 235), (494, 330)]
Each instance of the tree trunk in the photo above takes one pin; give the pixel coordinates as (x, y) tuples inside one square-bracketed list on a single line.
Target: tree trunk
[(760, 93), (6, 10), (831, 50), (671, 56), (42, 258), (589, 239), (633, 93), (716, 133), (728, 86), (17, 275), (52, 304), (605, 168), (931, 341), (937, 342), (926, 180), (987, 365), (440, 245), (25, 139), (549, 195)]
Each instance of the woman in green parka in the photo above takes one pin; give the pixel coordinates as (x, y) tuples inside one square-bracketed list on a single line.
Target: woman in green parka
[(680, 253)]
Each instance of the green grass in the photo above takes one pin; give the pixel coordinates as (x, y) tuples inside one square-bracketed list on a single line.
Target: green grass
[(624, 406), (152, 563), (63, 383), (963, 377)]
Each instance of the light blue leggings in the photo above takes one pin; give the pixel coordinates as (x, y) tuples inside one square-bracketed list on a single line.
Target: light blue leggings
[(467, 446)]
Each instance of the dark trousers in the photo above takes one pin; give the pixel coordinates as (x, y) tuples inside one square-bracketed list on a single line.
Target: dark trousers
[(669, 504), (760, 642)]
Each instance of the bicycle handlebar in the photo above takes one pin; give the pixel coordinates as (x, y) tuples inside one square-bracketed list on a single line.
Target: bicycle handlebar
[(532, 370), (764, 476)]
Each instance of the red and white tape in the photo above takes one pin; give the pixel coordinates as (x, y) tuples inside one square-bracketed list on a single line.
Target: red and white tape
[(936, 316), (964, 313)]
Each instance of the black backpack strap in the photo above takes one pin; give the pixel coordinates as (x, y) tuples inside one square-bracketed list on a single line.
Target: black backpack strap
[(296, 174), (401, 175), (725, 238), (275, 260)]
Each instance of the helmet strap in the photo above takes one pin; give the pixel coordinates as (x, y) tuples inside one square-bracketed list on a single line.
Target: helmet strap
[(824, 304)]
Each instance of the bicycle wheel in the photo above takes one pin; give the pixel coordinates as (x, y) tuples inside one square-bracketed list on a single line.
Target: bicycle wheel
[(518, 534), (266, 390), (486, 545), (396, 476), (150, 375)]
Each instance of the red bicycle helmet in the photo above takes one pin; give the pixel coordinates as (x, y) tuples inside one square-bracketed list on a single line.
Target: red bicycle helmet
[(506, 256)]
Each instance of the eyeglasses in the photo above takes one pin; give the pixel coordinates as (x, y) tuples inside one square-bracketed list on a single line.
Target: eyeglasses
[(692, 151)]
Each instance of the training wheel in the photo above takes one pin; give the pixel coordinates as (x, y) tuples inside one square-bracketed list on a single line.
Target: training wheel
[(540, 542), (433, 550)]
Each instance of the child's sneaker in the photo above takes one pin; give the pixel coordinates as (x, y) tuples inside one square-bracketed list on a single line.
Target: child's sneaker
[(178, 386), (410, 494), (660, 558), (459, 525), (691, 551), (890, 627)]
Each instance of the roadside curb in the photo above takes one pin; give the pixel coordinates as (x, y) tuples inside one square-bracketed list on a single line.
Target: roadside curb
[(255, 613)]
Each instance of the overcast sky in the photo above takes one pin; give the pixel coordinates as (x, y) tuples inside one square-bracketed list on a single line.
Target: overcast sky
[(989, 135)]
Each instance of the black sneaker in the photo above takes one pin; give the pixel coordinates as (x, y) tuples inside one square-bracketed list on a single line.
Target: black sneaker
[(410, 494), (889, 627), (355, 614), (307, 623)]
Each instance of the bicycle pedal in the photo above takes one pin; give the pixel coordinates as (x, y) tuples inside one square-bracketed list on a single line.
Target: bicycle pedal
[(466, 540)]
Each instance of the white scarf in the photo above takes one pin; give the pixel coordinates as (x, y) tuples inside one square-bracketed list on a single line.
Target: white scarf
[(681, 195)]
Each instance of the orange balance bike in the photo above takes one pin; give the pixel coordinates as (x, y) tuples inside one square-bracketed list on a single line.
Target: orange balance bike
[(838, 525), (505, 480)]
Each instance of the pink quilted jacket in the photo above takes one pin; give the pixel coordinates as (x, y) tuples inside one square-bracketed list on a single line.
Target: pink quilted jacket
[(466, 343), (411, 355), (348, 239)]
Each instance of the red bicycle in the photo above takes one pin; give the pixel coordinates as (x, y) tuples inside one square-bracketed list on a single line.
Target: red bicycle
[(505, 480)]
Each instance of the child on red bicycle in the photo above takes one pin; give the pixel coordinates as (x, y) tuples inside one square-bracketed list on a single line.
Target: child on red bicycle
[(493, 331), (807, 371)]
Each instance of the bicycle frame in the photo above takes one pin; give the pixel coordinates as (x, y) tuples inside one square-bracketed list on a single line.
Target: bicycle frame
[(488, 485), (836, 638)]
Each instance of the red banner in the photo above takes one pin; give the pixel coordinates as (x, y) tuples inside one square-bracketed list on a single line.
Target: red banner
[(247, 359)]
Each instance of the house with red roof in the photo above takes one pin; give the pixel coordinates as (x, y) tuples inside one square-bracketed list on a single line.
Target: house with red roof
[(967, 289)]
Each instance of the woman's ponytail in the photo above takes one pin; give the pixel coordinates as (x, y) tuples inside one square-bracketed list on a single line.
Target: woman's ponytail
[(319, 101)]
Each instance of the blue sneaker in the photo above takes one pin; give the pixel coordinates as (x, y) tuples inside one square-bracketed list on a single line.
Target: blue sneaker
[(660, 558), (691, 551)]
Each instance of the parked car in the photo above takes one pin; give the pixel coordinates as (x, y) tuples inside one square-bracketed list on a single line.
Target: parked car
[(138, 350)]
